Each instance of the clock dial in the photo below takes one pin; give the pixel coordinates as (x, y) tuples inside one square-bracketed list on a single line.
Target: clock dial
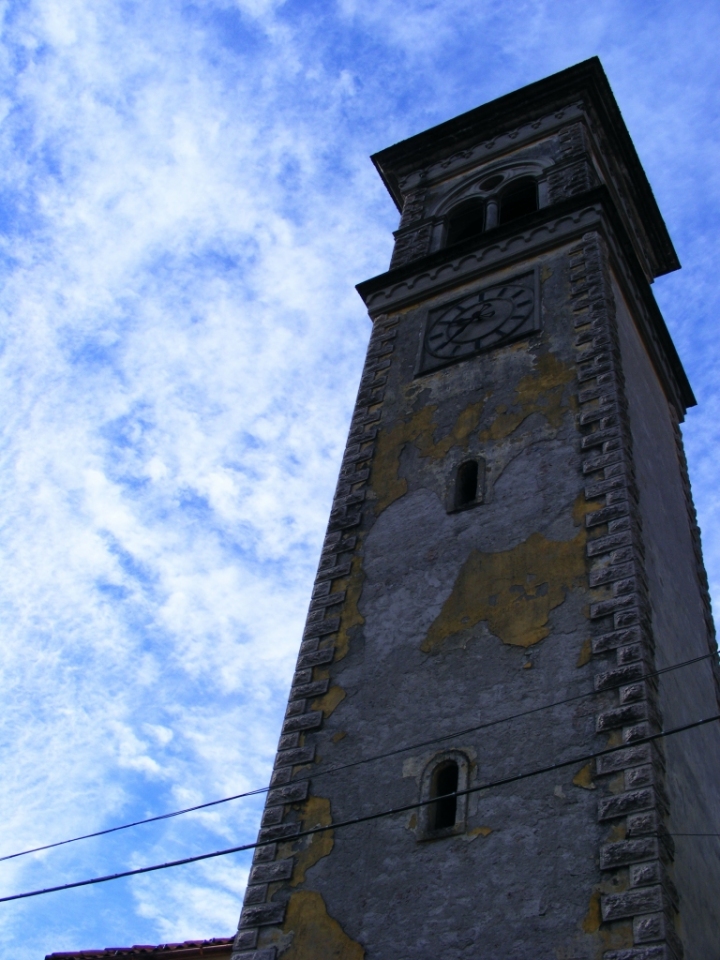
[(480, 321)]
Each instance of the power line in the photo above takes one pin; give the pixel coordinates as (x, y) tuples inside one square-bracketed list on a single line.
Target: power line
[(353, 763), (135, 823), (504, 781)]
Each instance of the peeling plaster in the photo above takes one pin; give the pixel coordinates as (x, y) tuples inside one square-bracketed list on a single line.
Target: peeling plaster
[(514, 591), (315, 934), (329, 701), (419, 430), (315, 813)]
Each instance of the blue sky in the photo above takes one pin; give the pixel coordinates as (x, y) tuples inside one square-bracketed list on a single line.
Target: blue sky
[(186, 203)]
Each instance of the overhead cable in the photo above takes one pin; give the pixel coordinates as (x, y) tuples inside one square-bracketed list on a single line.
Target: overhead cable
[(392, 811), (353, 763)]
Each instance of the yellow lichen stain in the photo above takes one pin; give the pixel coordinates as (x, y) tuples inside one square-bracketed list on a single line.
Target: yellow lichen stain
[(615, 739), (478, 832), (513, 591), (419, 430), (350, 616), (617, 832), (585, 655), (412, 823), (617, 784), (315, 934), (340, 735), (303, 768), (329, 701), (528, 665), (582, 507), (539, 392), (617, 936), (583, 778), (593, 918), (315, 813)]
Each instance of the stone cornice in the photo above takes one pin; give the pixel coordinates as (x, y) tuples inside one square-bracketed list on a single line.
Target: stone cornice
[(547, 228), (510, 115)]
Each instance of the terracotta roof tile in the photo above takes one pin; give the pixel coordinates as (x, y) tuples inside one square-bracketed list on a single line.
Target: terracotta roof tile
[(219, 948)]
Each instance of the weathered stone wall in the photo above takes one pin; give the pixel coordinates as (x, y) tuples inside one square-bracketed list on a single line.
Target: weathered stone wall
[(449, 620), (680, 627), (438, 633)]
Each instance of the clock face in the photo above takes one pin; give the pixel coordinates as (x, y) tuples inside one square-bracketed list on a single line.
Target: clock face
[(480, 321)]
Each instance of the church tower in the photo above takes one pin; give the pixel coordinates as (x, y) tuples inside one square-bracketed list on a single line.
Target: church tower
[(511, 584)]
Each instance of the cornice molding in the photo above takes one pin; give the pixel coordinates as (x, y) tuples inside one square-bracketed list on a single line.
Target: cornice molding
[(514, 112), (547, 228)]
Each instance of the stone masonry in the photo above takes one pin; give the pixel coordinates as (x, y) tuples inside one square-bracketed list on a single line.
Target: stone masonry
[(558, 610)]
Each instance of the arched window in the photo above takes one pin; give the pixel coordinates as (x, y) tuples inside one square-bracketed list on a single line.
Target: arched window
[(466, 220), (466, 484), (443, 792), (518, 199), (444, 787)]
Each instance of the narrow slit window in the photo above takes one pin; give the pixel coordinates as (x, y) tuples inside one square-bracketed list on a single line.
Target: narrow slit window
[(466, 484), (518, 199), (445, 789), (465, 221)]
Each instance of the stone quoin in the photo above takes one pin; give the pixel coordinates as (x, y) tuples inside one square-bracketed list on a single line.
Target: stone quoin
[(511, 564)]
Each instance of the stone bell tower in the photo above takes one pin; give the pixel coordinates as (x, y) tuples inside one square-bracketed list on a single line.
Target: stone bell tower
[(512, 556)]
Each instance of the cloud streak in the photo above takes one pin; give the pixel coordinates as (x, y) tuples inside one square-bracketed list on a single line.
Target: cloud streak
[(185, 206)]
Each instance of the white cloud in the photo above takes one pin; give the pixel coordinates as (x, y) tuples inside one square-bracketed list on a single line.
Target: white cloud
[(185, 205)]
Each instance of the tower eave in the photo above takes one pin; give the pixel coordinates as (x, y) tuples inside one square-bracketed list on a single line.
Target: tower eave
[(585, 81)]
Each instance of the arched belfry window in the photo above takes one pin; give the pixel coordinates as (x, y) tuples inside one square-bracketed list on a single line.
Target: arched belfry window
[(518, 199), (464, 221), (444, 783)]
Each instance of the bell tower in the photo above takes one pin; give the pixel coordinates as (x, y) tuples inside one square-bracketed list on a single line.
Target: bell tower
[(511, 586)]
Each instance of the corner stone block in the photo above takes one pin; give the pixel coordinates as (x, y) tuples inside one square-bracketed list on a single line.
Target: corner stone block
[(611, 679), (293, 793), (649, 928), (660, 952), (267, 953), (270, 872), (621, 716), (283, 831), (645, 874), (246, 939), (256, 894), (265, 854), (624, 803), (263, 914), (318, 658), (622, 759), (295, 757), (615, 639), (618, 854), (617, 906), (318, 628), (306, 721)]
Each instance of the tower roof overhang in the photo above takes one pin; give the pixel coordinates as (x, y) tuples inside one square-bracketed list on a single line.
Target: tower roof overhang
[(587, 82)]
